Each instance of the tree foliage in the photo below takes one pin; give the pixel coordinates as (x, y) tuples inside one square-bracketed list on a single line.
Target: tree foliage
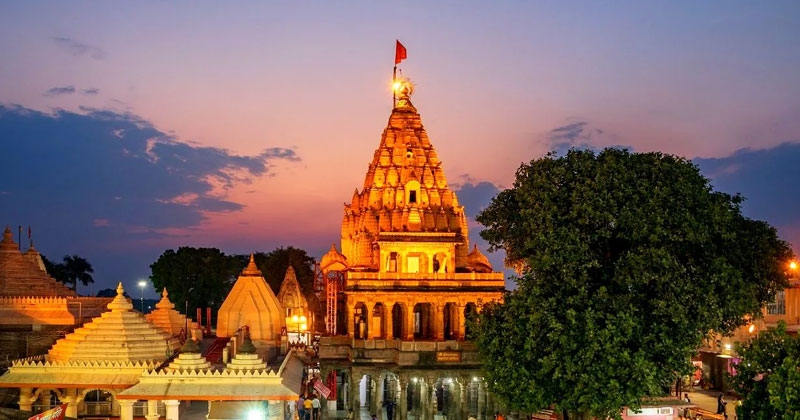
[(768, 376), (197, 277), (203, 277), (70, 271), (627, 261)]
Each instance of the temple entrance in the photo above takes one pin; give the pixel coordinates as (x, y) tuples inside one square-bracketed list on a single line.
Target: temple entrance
[(360, 326), (379, 321), (450, 321), (398, 321), (366, 392), (446, 403), (423, 321), (97, 402)]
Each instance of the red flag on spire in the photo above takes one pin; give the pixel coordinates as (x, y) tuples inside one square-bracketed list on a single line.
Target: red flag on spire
[(399, 53)]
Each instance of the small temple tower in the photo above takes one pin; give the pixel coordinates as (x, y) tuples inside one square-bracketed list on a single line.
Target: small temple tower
[(298, 316), (252, 303)]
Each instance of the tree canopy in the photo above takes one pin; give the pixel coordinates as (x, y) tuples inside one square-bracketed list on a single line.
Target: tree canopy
[(768, 376), (203, 277), (195, 277), (626, 261)]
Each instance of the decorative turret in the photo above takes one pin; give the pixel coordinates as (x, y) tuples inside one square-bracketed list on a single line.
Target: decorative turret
[(252, 303), (168, 319), (405, 194), (477, 262)]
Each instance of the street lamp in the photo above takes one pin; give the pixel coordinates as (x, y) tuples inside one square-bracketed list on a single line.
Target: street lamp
[(142, 284)]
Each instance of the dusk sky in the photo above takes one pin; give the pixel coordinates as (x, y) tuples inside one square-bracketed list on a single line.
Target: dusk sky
[(129, 128)]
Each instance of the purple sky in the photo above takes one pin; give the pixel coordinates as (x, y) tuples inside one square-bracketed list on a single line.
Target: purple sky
[(130, 128)]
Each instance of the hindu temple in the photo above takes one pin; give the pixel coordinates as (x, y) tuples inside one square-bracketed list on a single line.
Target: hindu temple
[(405, 285)]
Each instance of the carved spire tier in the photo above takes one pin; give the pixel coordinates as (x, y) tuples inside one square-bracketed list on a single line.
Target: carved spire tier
[(24, 274), (405, 197), (121, 334), (167, 318)]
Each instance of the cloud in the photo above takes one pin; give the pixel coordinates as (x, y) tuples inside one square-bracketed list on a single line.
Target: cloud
[(578, 134), (767, 178), (114, 177), (78, 48), (90, 92), (55, 91)]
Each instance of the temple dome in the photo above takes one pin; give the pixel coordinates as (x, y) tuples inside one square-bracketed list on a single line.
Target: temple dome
[(477, 262), (119, 335), (251, 303), (291, 296), (333, 260)]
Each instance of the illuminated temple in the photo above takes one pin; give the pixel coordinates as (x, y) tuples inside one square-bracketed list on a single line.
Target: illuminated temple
[(398, 299), (408, 285)]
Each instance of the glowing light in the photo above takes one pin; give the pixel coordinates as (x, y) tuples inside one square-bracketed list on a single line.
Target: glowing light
[(793, 265), (255, 415), (751, 328), (727, 346)]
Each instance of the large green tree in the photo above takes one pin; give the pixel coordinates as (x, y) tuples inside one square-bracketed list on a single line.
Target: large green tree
[(195, 277), (627, 260), (768, 376)]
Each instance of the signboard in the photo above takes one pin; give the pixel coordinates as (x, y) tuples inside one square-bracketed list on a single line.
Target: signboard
[(56, 413), (322, 388), (448, 356)]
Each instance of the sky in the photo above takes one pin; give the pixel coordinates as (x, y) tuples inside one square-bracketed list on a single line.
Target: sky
[(130, 128)]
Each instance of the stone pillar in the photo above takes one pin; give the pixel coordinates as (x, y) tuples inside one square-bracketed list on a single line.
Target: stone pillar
[(481, 389), (351, 327), (71, 398), (355, 394), (389, 321), (152, 410), (432, 409), (462, 323), (401, 411), (409, 322), (463, 409), (126, 409), (275, 410), (44, 400), (438, 322), (25, 399), (173, 409)]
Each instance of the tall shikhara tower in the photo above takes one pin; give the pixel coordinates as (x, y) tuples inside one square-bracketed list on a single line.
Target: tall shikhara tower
[(410, 273), (405, 208)]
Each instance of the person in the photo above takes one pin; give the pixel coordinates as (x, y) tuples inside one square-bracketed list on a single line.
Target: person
[(301, 408), (721, 405), (350, 414), (308, 405), (293, 410), (686, 398), (390, 410), (373, 417), (315, 404), (498, 416)]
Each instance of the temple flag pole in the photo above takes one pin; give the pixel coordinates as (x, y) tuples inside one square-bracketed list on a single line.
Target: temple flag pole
[(394, 91), (400, 54)]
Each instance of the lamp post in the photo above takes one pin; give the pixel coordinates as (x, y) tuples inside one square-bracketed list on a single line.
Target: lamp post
[(142, 284)]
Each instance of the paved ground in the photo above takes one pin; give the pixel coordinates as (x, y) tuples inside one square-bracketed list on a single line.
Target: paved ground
[(708, 401)]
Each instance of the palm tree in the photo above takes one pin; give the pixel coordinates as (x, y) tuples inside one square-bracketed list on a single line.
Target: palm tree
[(77, 269)]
